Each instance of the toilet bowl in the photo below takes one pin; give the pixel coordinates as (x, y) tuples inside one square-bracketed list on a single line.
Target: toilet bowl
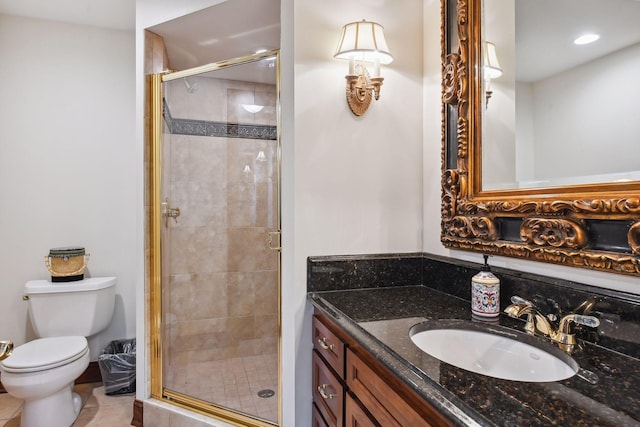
[(42, 372)]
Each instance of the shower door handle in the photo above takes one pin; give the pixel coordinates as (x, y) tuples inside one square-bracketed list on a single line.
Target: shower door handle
[(271, 237), (169, 212)]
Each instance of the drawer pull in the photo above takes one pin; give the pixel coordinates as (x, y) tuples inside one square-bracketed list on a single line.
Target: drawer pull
[(323, 393), (323, 343)]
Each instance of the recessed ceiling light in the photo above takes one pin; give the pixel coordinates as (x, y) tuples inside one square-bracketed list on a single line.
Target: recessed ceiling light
[(208, 42), (586, 39)]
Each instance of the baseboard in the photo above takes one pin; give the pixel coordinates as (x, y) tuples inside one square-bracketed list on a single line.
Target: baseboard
[(90, 375), (138, 410)]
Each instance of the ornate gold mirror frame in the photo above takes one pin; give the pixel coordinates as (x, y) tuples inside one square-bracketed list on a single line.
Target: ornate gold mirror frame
[(590, 226)]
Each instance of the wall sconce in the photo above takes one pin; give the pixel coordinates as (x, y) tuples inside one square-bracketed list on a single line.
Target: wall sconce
[(362, 42), (491, 68)]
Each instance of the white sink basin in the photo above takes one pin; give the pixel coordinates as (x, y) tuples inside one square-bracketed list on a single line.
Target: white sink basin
[(494, 351)]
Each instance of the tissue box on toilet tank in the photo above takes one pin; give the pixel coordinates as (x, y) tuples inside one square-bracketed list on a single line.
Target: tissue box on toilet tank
[(66, 264)]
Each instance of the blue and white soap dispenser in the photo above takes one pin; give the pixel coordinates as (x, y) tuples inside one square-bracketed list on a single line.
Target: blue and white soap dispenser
[(485, 292)]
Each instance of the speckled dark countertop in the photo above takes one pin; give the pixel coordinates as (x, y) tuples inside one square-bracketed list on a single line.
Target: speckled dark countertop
[(379, 319)]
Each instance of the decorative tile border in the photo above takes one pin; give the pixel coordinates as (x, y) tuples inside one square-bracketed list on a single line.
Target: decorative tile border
[(217, 129)]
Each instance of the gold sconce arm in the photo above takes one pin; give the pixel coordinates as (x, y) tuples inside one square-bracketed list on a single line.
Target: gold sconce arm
[(6, 348), (376, 82), (361, 89)]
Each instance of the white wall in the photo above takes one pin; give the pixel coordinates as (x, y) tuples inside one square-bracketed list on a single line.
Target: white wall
[(525, 157), (499, 115), (357, 180), (67, 161), (432, 132), (591, 109)]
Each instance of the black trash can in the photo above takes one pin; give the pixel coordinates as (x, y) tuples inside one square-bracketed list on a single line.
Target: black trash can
[(118, 367)]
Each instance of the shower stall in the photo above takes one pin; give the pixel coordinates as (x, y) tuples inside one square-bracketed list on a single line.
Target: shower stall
[(215, 233)]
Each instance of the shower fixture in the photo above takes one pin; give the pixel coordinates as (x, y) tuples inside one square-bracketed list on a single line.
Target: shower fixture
[(191, 87)]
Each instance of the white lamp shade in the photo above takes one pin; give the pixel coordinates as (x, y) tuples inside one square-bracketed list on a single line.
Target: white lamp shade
[(364, 41), (492, 68), (252, 108)]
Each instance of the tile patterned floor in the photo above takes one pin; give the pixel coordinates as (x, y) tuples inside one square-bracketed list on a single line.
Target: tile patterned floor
[(98, 410), (232, 383)]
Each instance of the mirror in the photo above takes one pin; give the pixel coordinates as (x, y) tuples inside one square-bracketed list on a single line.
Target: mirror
[(556, 94), (495, 198)]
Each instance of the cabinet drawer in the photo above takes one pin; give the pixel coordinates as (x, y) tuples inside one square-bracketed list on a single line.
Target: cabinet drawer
[(329, 346), (385, 404), (354, 415), (328, 393)]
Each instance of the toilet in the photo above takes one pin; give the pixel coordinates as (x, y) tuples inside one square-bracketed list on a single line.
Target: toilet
[(42, 372)]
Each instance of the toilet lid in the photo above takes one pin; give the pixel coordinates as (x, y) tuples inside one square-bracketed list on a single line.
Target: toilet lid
[(45, 353)]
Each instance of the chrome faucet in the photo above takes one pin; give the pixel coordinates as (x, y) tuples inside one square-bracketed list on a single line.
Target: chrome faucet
[(537, 322), (6, 347)]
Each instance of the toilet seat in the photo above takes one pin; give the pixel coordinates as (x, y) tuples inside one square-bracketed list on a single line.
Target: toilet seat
[(45, 353)]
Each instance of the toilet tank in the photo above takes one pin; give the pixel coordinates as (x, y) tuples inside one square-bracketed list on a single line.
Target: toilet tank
[(84, 307)]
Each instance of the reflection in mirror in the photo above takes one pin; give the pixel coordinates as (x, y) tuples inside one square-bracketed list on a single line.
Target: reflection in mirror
[(562, 113)]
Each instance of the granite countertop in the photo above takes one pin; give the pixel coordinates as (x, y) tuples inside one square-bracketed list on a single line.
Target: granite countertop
[(380, 318)]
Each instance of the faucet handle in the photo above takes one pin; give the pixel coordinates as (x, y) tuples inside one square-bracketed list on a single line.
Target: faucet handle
[(590, 321), (565, 335), (520, 306), (519, 300)]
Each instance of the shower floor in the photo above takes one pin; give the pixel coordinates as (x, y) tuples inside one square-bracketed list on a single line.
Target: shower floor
[(232, 383)]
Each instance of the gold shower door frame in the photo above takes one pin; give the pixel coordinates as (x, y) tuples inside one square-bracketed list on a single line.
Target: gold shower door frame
[(158, 390)]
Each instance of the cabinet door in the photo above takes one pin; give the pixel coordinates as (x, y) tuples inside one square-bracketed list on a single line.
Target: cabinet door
[(317, 420), (355, 416), (328, 393), (388, 408)]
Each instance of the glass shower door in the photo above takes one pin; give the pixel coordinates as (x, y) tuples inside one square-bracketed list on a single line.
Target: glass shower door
[(219, 224)]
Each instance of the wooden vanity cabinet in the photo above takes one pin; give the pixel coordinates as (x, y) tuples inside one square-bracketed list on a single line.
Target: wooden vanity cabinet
[(355, 415), (328, 375), (353, 389), (328, 392), (317, 420)]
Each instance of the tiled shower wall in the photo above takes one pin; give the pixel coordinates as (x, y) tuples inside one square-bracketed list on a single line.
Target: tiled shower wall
[(221, 301)]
